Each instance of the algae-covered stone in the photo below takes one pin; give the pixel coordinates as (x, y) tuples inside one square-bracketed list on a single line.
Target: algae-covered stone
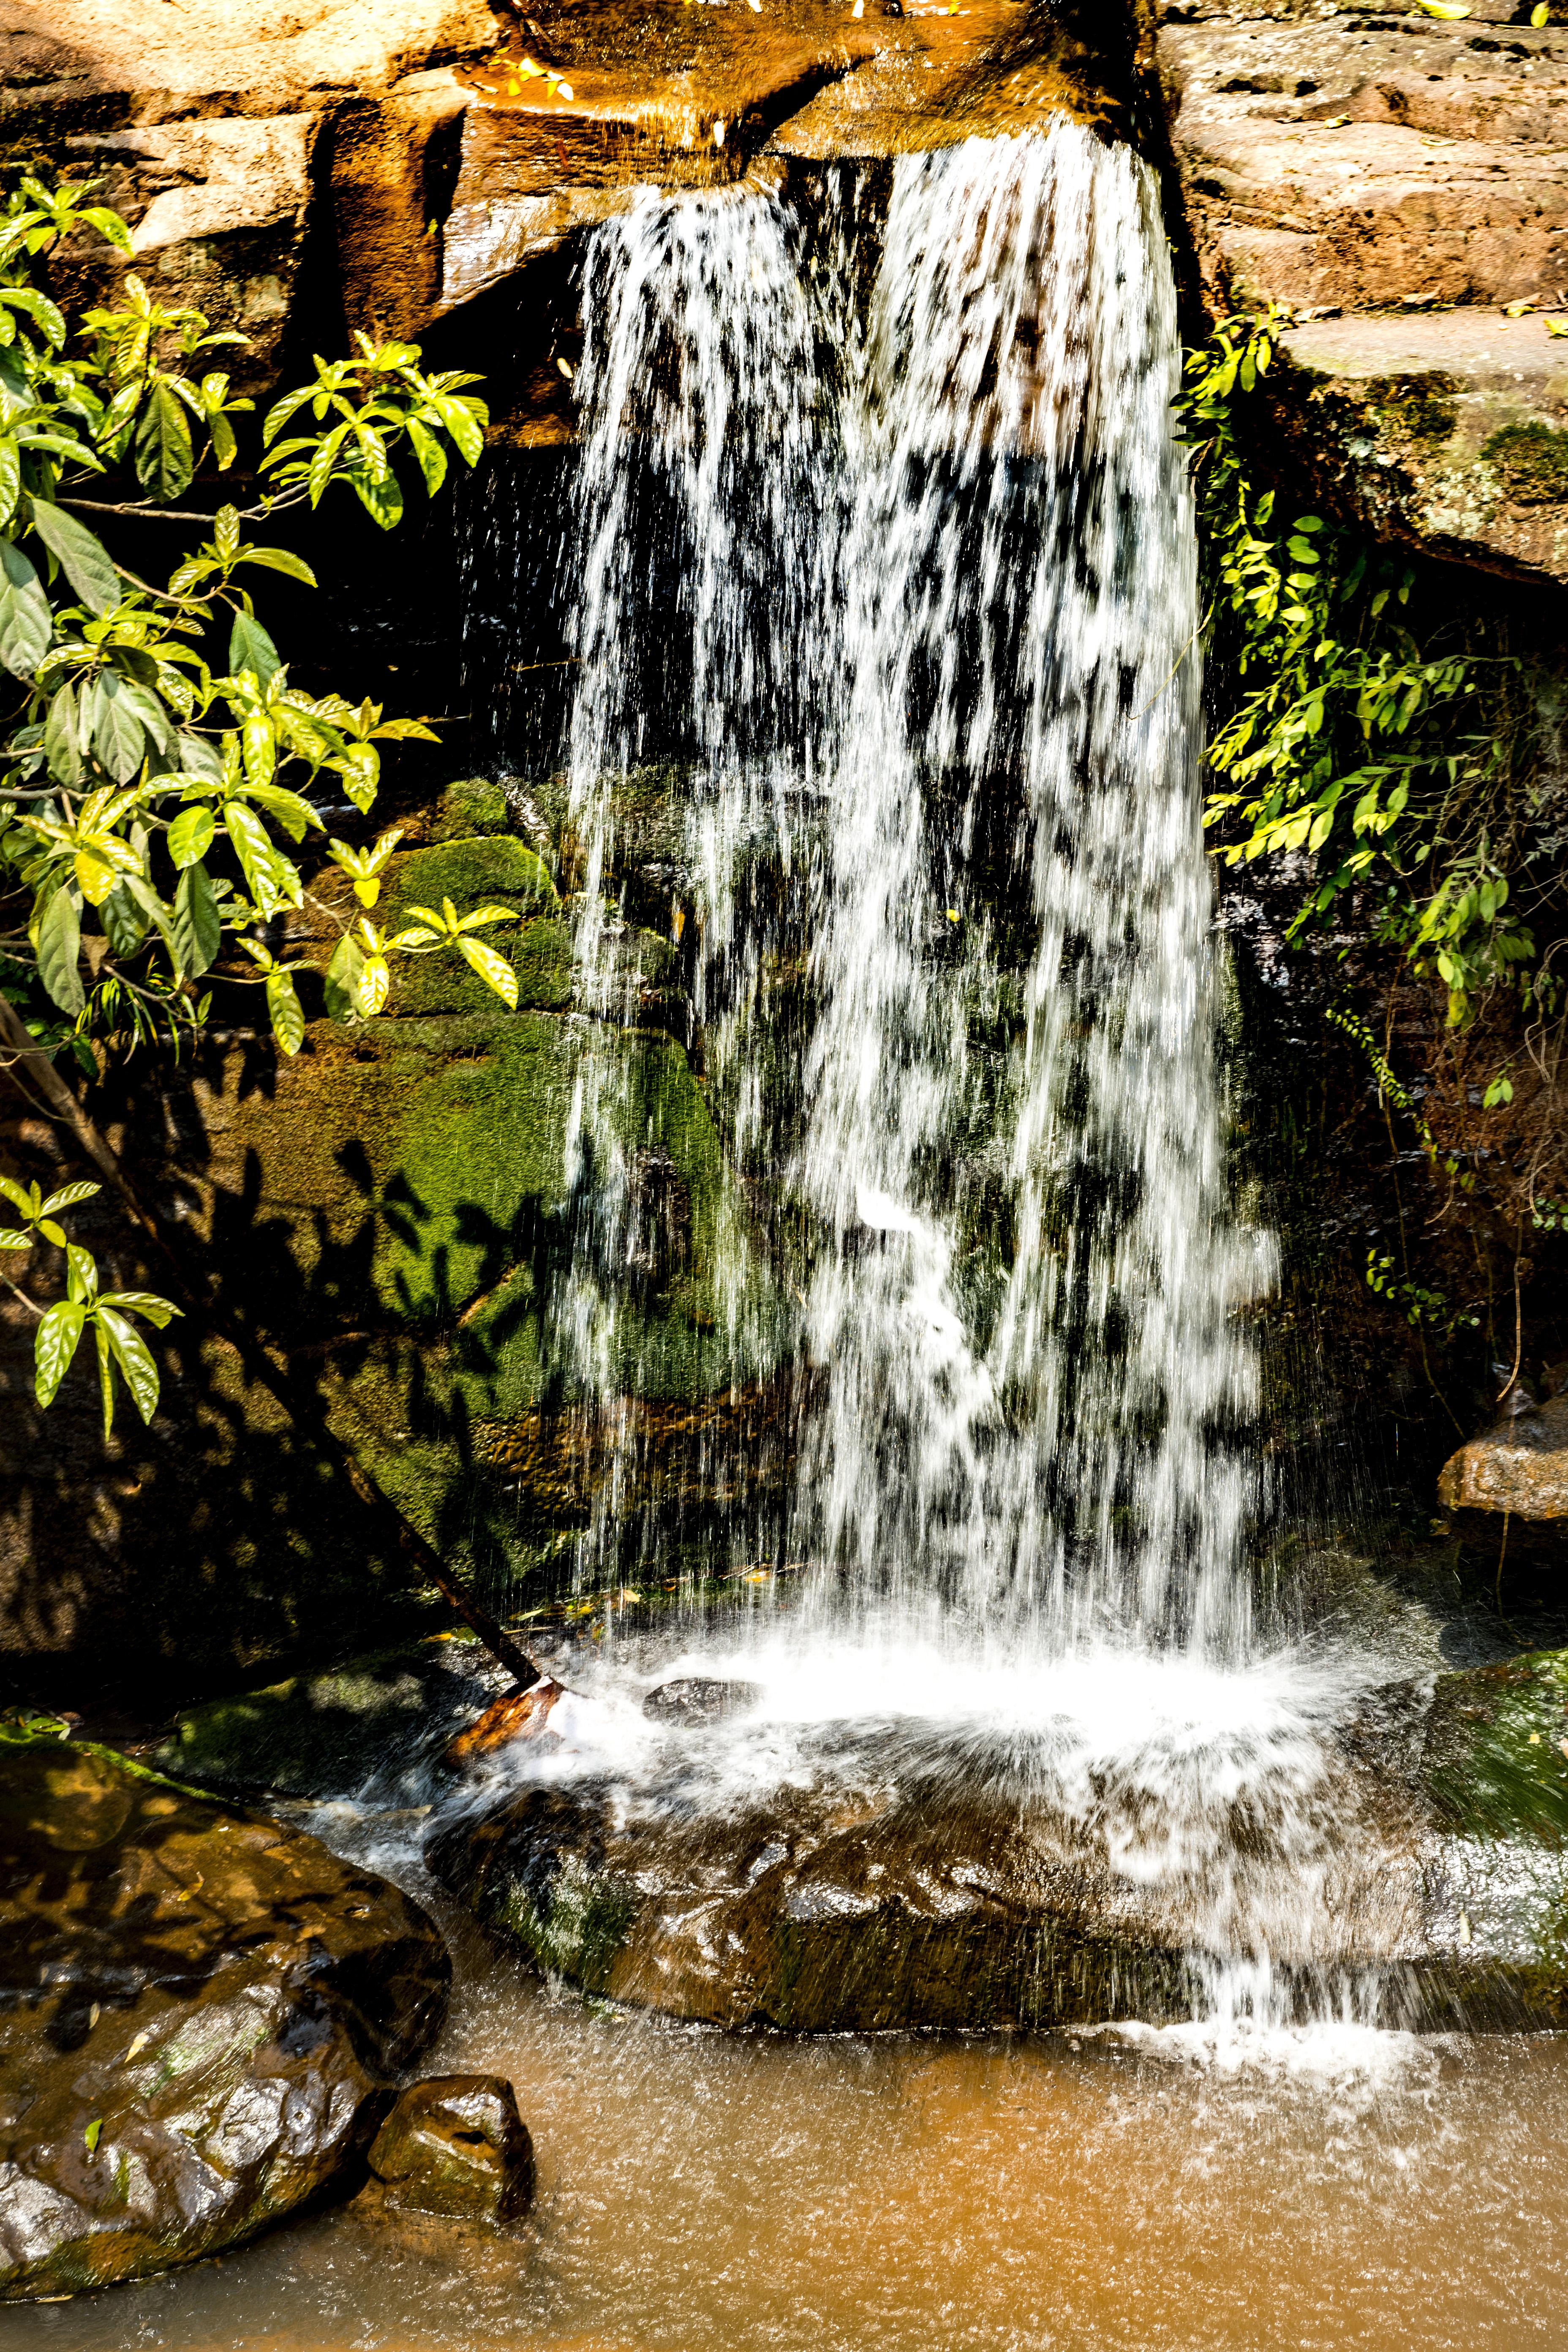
[(374, 1720), (456, 2146), (470, 805), (1495, 1774), (201, 2009)]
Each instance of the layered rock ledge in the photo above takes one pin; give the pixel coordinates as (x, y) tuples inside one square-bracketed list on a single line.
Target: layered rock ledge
[(1397, 183)]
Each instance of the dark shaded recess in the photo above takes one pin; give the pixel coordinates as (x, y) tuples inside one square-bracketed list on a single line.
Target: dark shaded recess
[(1358, 1421)]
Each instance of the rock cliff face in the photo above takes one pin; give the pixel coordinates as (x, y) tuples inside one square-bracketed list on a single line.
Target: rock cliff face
[(291, 172), (392, 1201), (1398, 182)]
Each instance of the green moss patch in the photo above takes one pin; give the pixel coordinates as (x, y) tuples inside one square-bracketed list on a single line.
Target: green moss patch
[(1531, 462), (1425, 406), (474, 871), (1496, 1765), (473, 805)]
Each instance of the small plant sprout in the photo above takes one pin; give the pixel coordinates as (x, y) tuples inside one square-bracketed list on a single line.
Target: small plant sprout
[(449, 928), (365, 867)]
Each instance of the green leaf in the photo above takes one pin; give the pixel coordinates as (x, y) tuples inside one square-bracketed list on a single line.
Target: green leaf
[(59, 953), (92, 2135), (278, 558), (191, 836), (117, 731), (69, 1196), (380, 496), (62, 747), (26, 621), (54, 1345), (197, 927), (462, 424), (271, 878), (250, 647), (134, 1360), (431, 456), (283, 1003), (165, 460), (105, 1375), (83, 559), (143, 1302), (293, 812), (359, 765), (493, 969), (14, 1237), (81, 1272), (344, 977)]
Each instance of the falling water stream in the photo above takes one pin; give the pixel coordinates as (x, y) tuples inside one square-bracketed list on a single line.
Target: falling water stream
[(885, 556), (936, 742)]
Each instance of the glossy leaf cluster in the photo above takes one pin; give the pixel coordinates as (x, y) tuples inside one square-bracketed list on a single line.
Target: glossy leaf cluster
[(1395, 770)]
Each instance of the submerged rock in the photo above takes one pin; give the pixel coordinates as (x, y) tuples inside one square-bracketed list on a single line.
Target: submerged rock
[(456, 2146), (201, 2009)]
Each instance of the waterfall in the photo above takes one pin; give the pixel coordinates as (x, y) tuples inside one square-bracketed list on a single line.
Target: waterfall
[(933, 697)]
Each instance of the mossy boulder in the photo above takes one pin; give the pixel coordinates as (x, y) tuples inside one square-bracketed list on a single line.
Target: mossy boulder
[(472, 805), (826, 1908), (1494, 1773), (375, 1721), (203, 2014)]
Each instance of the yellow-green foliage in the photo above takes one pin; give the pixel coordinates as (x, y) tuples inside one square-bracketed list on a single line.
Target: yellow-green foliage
[(1403, 770)]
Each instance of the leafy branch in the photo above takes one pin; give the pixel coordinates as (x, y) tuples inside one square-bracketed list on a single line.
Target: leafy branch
[(1398, 771)]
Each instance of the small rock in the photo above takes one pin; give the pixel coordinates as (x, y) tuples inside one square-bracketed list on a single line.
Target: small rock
[(1518, 1465), (698, 1698), (456, 2146)]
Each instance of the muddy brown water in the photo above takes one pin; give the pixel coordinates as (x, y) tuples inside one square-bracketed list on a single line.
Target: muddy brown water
[(700, 2193)]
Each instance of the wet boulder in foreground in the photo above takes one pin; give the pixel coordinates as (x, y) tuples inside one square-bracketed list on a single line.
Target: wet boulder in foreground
[(1411, 1859), (200, 2011), (823, 1910)]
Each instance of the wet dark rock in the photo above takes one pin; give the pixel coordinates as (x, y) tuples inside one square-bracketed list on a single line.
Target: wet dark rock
[(829, 1908), (201, 2009), (906, 1877), (455, 2146), (698, 1698), (1494, 1777)]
